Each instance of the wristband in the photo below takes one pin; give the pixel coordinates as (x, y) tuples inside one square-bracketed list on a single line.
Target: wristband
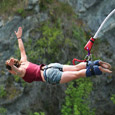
[(19, 38)]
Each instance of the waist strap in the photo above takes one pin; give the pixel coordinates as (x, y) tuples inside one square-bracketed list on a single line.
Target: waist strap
[(46, 67)]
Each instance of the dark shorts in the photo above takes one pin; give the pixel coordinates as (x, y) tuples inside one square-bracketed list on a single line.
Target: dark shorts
[(53, 73)]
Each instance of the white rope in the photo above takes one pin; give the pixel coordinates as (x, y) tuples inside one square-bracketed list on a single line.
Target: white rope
[(96, 34)]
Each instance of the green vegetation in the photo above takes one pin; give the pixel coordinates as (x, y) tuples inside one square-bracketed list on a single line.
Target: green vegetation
[(7, 5), (24, 13), (62, 10), (44, 4), (2, 72), (21, 12), (12, 7), (30, 112), (12, 92), (48, 45), (79, 35), (41, 113), (53, 46), (20, 80), (113, 98), (77, 95), (3, 111), (2, 92)]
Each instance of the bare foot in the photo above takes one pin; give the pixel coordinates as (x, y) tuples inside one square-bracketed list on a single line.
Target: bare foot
[(105, 64), (105, 70)]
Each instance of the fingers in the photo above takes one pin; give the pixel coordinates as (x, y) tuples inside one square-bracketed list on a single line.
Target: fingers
[(11, 62), (20, 29), (7, 62), (19, 32)]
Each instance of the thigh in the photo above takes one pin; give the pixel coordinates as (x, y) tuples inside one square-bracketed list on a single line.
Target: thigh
[(69, 68), (72, 75), (68, 76), (77, 67)]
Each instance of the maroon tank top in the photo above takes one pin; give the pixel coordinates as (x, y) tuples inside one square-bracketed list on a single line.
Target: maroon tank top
[(33, 73)]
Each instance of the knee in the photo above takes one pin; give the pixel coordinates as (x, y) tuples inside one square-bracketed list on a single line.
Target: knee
[(76, 75), (80, 66)]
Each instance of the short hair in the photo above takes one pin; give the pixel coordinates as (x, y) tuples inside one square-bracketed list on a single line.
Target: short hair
[(17, 63), (8, 67)]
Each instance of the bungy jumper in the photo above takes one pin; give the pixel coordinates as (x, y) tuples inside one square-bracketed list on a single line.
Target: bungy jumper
[(90, 43)]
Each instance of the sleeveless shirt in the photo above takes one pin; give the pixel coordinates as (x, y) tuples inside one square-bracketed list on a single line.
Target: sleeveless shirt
[(33, 73)]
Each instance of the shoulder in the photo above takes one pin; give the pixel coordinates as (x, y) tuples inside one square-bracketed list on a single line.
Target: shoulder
[(24, 62), (24, 65), (22, 72)]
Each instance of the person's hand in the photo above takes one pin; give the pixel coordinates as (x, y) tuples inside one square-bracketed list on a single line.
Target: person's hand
[(19, 33), (10, 62)]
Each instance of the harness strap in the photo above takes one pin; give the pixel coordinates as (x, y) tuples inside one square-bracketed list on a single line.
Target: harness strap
[(92, 69), (52, 67), (46, 78), (74, 60)]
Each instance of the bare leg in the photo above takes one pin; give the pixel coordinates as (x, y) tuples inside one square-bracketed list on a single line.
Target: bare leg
[(82, 65), (77, 67), (72, 75)]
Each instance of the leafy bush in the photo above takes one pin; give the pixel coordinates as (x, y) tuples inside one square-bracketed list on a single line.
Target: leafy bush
[(77, 95), (3, 111), (44, 4), (20, 80), (30, 112), (53, 45), (40, 113), (12, 7), (47, 48), (2, 92), (5, 5), (24, 13), (113, 98)]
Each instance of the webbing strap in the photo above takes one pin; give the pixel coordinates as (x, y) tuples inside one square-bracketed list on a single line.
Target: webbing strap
[(91, 68), (74, 60), (52, 67)]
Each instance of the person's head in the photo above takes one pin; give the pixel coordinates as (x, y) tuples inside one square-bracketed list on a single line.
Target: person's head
[(17, 63)]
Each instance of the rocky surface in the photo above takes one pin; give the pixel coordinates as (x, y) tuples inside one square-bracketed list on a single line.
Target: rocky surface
[(42, 96)]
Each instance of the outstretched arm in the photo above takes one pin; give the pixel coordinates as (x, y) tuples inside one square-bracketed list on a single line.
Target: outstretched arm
[(20, 44)]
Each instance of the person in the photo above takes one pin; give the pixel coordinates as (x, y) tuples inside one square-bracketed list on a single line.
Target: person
[(54, 73)]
